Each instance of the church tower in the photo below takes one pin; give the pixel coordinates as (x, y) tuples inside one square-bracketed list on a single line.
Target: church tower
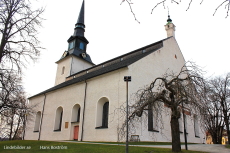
[(170, 27), (75, 59)]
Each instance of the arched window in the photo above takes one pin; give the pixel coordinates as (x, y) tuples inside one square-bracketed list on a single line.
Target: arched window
[(152, 118), (180, 124), (102, 117), (63, 70), (58, 119), (76, 113), (37, 122), (105, 115), (196, 126)]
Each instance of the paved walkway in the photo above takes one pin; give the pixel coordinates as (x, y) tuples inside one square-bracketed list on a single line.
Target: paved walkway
[(210, 148)]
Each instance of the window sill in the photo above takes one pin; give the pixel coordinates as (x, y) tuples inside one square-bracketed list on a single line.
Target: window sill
[(57, 130), (153, 130), (197, 136), (183, 132), (75, 122), (101, 127)]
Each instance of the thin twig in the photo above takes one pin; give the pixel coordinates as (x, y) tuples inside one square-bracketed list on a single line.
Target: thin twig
[(131, 9), (189, 5), (158, 4), (219, 7)]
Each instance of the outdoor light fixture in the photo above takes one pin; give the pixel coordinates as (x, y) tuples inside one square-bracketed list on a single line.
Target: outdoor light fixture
[(127, 79)]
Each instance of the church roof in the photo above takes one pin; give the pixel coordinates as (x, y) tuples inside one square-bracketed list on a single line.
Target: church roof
[(108, 66), (81, 14)]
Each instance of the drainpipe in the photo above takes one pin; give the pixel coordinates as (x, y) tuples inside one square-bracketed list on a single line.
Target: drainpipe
[(83, 117), (40, 128)]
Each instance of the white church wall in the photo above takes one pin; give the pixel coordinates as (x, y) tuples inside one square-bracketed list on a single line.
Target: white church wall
[(169, 58), (112, 87), (38, 103), (66, 98), (78, 65), (66, 64)]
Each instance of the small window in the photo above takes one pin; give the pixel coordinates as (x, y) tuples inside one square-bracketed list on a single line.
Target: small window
[(37, 122), (185, 123), (180, 124), (105, 115), (82, 46), (78, 114), (196, 126), (71, 45), (76, 111), (58, 119), (63, 70), (102, 116), (152, 118)]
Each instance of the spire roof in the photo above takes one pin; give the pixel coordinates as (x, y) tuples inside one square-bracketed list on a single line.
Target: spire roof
[(80, 25), (81, 14)]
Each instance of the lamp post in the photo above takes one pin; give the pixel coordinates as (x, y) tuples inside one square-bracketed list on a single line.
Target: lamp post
[(127, 79)]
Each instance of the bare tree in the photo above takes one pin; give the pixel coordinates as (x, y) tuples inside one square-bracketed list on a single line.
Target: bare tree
[(19, 44), (213, 116), (223, 3), (220, 92), (13, 106), (18, 31), (179, 92)]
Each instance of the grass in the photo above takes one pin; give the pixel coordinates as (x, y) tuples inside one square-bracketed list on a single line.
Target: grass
[(141, 143), (227, 146), (36, 146)]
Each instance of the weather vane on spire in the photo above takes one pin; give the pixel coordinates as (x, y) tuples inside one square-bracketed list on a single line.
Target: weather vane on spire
[(169, 20)]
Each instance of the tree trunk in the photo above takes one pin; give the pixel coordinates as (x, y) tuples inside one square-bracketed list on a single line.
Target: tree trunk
[(214, 138), (220, 135), (228, 133), (176, 147), (11, 128)]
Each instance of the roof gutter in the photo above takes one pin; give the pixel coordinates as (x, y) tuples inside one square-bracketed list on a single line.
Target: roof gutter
[(40, 128), (83, 116)]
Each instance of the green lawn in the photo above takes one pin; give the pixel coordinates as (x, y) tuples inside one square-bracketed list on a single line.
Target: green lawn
[(39, 146), (227, 146), (141, 143)]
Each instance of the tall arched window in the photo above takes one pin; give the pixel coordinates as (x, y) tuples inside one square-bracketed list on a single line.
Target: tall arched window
[(37, 122), (152, 118), (196, 126), (76, 113), (105, 115), (180, 124), (102, 117), (58, 119)]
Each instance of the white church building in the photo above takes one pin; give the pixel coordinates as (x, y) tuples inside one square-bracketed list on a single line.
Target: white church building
[(82, 105)]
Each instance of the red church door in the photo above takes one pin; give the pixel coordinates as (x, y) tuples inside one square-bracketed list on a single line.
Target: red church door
[(76, 130)]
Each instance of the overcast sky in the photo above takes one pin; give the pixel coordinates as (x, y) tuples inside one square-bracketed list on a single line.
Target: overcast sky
[(112, 31)]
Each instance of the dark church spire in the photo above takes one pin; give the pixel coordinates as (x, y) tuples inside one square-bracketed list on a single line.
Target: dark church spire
[(77, 42), (80, 25)]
